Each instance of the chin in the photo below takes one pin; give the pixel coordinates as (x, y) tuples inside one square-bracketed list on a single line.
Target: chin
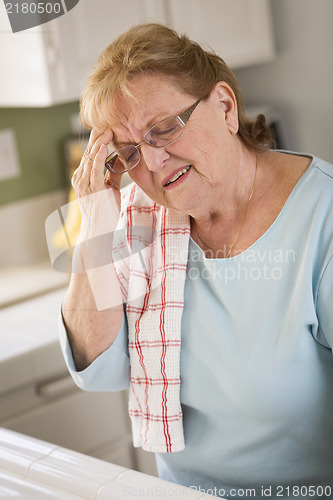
[(184, 205)]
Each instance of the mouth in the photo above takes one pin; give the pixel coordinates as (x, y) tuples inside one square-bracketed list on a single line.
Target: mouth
[(176, 176)]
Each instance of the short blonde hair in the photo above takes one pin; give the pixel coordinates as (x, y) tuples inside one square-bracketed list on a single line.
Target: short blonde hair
[(155, 49)]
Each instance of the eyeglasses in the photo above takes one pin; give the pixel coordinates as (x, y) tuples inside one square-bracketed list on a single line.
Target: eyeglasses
[(161, 134)]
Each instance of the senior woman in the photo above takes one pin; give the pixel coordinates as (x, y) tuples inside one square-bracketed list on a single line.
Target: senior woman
[(225, 332)]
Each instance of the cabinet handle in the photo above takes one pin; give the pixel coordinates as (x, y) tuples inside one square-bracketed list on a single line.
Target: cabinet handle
[(56, 388)]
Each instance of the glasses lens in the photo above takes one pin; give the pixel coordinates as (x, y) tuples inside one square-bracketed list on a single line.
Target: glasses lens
[(165, 132), (129, 156), (113, 164), (123, 160)]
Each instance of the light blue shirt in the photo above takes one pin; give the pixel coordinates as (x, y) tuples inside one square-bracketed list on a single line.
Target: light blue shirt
[(256, 358)]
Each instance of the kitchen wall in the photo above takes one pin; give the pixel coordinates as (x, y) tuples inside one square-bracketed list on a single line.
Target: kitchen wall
[(299, 81), (39, 133)]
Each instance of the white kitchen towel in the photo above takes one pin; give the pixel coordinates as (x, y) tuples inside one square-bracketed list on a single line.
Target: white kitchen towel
[(151, 268)]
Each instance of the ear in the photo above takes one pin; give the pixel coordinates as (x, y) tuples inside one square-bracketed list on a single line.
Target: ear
[(227, 100)]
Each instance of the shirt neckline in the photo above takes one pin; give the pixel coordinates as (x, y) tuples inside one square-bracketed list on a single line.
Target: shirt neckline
[(276, 221)]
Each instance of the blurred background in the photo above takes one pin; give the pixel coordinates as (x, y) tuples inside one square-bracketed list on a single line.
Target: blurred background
[(281, 52)]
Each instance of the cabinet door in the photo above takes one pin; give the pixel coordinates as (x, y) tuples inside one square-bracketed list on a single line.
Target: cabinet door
[(83, 33), (93, 25), (48, 64), (24, 78), (240, 31), (93, 423)]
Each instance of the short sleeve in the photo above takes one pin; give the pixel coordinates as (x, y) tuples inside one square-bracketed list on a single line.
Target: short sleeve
[(109, 372), (325, 304)]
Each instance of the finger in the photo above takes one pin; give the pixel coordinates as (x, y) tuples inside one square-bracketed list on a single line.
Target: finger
[(94, 135), (93, 148), (95, 140), (87, 155), (81, 178), (97, 168)]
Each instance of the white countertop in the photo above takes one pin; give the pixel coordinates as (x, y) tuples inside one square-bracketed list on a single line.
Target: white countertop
[(29, 341), (18, 283), (31, 469)]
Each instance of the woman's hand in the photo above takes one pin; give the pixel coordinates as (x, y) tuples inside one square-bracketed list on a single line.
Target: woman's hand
[(98, 194)]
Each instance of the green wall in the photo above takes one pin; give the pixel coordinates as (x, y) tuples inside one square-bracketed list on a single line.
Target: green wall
[(40, 133)]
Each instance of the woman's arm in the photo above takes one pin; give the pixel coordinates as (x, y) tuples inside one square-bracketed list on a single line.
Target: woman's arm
[(92, 309), (108, 372), (324, 303), (90, 331)]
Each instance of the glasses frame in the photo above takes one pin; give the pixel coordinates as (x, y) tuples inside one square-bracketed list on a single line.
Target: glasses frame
[(182, 118)]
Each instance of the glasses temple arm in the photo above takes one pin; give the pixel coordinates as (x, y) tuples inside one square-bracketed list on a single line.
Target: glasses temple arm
[(185, 115)]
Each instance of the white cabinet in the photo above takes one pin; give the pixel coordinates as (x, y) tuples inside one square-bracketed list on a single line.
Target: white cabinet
[(93, 423), (239, 31), (86, 30), (48, 64)]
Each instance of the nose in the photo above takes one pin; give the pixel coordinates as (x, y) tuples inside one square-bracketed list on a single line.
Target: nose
[(154, 157)]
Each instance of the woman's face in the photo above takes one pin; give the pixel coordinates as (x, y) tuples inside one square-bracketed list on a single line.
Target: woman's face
[(205, 150)]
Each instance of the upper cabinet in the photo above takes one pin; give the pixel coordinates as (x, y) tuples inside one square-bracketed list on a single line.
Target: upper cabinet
[(85, 31), (48, 64), (239, 31)]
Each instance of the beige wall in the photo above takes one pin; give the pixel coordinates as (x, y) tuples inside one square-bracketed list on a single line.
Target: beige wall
[(299, 82)]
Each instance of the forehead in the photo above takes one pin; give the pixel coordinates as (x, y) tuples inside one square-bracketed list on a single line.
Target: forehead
[(150, 98)]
